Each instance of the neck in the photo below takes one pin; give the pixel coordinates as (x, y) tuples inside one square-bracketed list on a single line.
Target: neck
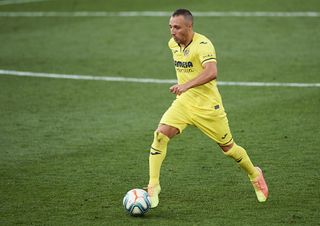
[(188, 40)]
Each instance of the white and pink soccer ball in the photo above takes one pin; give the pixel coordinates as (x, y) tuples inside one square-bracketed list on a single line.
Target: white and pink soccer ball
[(137, 202)]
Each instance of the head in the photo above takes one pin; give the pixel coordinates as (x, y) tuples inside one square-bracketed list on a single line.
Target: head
[(180, 24)]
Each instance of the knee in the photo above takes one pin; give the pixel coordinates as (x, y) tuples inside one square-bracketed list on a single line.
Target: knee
[(236, 152), (227, 148), (166, 130), (232, 150)]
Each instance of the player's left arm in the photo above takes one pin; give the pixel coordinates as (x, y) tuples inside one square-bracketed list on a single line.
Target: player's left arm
[(208, 74)]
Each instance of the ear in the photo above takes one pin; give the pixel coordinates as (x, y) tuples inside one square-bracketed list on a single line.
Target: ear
[(189, 24)]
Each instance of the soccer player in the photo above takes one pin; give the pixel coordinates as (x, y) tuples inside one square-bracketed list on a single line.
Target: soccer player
[(198, 102)]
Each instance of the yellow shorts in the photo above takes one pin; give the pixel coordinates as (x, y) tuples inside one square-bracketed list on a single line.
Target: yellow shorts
[(212, 122)]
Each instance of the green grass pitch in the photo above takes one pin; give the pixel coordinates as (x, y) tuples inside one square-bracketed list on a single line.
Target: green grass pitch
[(71, 149)]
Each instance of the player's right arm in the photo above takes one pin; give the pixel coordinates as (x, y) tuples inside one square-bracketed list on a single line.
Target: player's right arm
[(208, 74)]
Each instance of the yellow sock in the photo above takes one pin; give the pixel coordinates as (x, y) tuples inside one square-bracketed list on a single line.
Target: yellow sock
[(158, 152), (240, 155)]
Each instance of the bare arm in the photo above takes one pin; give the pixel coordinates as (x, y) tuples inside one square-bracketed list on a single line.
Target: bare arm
[(209, 73)]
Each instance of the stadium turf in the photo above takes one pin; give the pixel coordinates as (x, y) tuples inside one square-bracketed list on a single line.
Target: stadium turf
[(71, 149)]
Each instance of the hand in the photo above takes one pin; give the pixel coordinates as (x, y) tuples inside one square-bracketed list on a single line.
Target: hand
[(179, 89)]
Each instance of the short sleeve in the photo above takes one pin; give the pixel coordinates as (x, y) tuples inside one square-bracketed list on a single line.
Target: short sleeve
[(206, 52)]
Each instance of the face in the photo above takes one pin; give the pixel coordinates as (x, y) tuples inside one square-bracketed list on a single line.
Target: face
[(180, 29)]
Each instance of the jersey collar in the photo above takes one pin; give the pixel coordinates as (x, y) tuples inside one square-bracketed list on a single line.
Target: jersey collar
[(188, 43)]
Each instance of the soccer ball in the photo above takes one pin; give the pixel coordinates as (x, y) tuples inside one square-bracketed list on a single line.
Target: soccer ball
[(137, 202)]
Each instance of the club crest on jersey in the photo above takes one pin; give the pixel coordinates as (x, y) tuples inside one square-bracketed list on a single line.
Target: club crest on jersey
[(186, 52)]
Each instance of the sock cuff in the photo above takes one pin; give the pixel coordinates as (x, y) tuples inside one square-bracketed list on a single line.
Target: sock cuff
[(161, 137), (160, 141), (232, 151)]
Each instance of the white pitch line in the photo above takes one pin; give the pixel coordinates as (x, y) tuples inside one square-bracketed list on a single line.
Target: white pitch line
[(11, 2), (272, 84), (157, 14), (146, 80), (85, 77)]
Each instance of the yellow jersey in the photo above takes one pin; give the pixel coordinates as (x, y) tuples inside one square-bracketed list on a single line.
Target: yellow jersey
[(188, 62)]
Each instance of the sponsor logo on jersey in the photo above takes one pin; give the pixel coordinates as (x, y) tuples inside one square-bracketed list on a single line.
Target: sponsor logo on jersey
[(183, 64)]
